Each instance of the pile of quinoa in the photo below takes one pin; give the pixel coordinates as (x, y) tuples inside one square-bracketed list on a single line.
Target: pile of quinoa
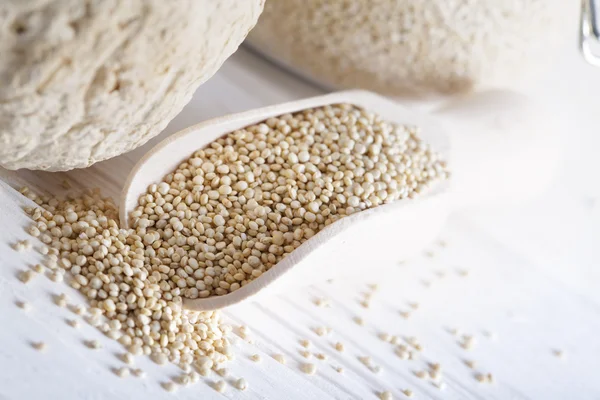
[(226, 215)]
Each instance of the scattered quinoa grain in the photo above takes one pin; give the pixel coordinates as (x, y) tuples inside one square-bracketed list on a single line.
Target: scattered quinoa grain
[(408, 392), (219, 386), (309, 369), (241, 384), (169, 386), (279, 358), (121, 372), (138, 373), (421, 374), (255, 357), (40, 346), (321, 356), (93, 344), (73, 323), (23, 305), (305, 343), (321, 331), (386, 395), (384, 336), (26, 276), (38, 268), (405, 314), (559, 353), (305, 353), (359, 321), (339, 347), (322, 302), (127, 358)]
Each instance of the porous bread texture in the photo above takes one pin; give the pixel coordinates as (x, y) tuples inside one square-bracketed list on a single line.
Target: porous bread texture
[(414, 47), (84, 81)]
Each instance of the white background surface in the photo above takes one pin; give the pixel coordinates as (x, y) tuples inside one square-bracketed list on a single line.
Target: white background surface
[(534, 280)]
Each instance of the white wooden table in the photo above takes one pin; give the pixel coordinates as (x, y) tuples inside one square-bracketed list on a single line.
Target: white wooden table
[(533, 285)]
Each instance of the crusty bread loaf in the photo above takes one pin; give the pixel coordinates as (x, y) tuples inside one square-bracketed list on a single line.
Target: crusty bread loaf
[(83, 81)]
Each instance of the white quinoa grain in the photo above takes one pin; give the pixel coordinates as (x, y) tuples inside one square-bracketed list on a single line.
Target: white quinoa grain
[(408, 392), (339, 347), (122, 372), (169, 386), (241, 384), (559, 353), (93, 344), (138, 373), (321, 331), (220, 386), (127, 358), (386, 395), (73, 323), (421, 374), (255, 357), (279, 358), (26, 276), (23, 305), (40, 346), (309, 369)]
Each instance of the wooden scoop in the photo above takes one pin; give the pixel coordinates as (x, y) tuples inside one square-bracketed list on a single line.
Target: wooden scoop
[(497, 149)]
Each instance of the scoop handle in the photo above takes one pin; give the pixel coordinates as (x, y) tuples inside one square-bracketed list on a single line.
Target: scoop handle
[(504, 148)]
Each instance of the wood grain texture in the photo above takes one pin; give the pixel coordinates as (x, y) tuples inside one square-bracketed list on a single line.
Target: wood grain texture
[(533, 281)]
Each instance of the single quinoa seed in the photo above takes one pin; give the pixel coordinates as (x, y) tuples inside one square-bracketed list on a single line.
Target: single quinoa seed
[(279, 358), (219, 386), (93, 344), (241, 384), (558, 353), (339, 347), (408, 392), (386, 395), (23, 305), (309, 369), (421, 374), (40, 346), (74, 323), (138, 373), (122, 372), (26, 276), (255, 357), (169, 386)]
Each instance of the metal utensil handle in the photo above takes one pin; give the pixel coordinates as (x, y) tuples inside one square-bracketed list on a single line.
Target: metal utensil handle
[(589, 33)]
